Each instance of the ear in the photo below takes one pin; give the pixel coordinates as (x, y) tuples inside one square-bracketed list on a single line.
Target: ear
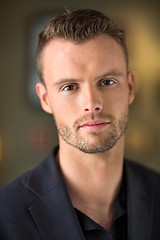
[(131, 86), (42, 94)]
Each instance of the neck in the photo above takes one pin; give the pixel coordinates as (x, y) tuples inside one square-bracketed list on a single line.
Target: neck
[(93, 180)]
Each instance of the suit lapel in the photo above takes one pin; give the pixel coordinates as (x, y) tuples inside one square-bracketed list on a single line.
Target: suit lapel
[(55, 217), (53, 212), (139, 205)]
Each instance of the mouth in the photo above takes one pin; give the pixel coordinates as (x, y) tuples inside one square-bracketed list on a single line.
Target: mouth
[(95, 125)]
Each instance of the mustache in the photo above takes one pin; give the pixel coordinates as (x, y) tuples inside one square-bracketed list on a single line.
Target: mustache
[(92, 117)]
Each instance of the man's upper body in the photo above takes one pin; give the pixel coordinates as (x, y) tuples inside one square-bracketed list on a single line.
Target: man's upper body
[(88, 88), (85, 83), (37, 206)]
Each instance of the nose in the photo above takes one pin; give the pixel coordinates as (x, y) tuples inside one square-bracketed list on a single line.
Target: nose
[(92, 100)]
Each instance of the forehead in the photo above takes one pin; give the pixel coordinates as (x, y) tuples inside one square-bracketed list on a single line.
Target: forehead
[(65, 55), (101, 42)]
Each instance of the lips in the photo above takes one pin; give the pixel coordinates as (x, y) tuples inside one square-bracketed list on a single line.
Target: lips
[(94, 125)]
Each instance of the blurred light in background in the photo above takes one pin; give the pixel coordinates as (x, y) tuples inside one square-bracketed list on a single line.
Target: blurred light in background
[(0, 149), (28, 133)]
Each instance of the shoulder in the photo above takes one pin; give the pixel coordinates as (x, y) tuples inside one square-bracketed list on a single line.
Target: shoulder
[(19, 196), (24, 189), (141, 175), (16, 192), (141, 170), (15, 200)]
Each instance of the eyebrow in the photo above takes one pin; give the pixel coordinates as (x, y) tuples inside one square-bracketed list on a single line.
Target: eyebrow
[(66, 80), (110, 74), (72, 80)]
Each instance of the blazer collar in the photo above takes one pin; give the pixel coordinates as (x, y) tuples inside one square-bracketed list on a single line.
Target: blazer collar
[(53, 212), (139, 203)]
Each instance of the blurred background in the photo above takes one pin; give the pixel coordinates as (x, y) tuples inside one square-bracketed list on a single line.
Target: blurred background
[(27, 134)]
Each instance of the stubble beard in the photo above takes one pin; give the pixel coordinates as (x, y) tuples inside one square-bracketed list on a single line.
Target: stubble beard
[(103, 143)]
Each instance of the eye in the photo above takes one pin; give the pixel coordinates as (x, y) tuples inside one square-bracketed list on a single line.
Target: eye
[(107, 82), (69, 87)]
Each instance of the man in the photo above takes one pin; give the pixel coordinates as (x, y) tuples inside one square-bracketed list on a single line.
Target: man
[(84, 189)]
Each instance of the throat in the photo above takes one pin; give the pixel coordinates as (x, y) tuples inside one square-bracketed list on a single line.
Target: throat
[(93, 184), (97, 198)]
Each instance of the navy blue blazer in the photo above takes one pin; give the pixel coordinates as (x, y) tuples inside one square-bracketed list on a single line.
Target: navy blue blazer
[(37, 205)]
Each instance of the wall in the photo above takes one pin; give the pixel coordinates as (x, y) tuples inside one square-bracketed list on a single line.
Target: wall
[(26, 132)]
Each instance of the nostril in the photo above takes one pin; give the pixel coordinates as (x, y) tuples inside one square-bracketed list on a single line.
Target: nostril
[(95, 109)]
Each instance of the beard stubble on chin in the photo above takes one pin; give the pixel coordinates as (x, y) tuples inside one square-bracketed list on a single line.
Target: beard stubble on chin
[(103, 143)]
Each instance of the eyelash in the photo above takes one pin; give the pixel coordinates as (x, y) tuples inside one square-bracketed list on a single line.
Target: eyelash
[(74, 86), (108, 82)]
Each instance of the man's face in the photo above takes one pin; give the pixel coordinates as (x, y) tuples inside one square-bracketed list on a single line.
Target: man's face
[(88, 90)]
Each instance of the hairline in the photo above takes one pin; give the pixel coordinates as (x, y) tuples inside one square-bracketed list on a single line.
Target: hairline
[(40, 54)]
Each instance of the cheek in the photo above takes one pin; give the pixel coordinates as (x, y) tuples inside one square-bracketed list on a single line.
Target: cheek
[(122, 101), (117, 102), (63, 111)]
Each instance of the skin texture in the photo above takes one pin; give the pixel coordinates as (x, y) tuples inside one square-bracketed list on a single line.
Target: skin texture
[(88, 91)]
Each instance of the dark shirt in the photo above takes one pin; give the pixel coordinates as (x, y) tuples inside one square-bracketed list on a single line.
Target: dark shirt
[(93, 231)]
